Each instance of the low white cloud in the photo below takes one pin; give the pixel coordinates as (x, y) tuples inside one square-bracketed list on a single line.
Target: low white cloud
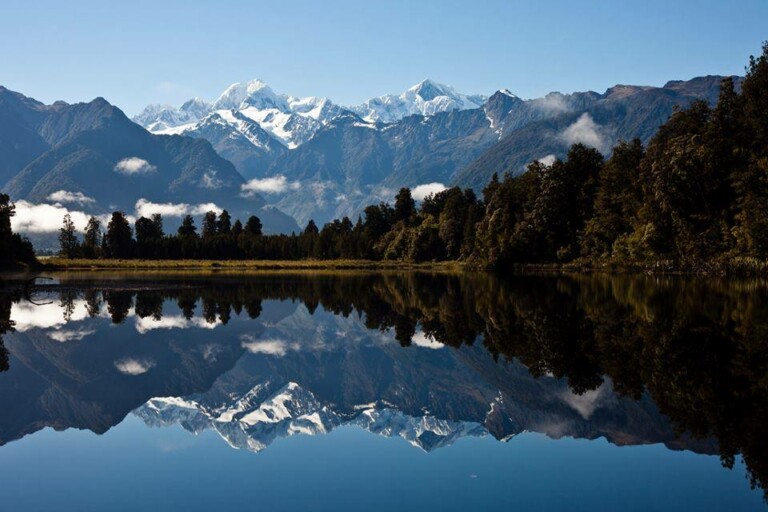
[(273, 185), (547, 160), (271, 346), (584, 131), (28, 316), (420, 339), (131, 366), (422, 191), (134, 165), (146, 324), (44, 218), (64, 196), (146, 208)]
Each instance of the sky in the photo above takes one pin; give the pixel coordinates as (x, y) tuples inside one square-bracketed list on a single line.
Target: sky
[(140, 52)]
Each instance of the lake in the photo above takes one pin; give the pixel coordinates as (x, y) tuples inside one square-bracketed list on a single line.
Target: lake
[(383, 391)]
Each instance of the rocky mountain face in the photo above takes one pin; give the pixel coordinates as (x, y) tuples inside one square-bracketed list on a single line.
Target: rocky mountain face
[(600, 121), (94, 152)]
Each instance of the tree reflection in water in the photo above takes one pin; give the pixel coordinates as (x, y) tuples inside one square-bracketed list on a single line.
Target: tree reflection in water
[(698, 348)]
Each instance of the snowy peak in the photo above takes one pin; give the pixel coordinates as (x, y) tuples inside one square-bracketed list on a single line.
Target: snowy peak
[(267, 412), (429, 90), (289, 120), (425, 98)]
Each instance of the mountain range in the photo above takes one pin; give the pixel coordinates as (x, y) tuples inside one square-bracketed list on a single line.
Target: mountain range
[(289, 159), (318, 160), (91, 156)]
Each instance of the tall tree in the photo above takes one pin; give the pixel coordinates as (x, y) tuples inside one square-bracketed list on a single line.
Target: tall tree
[(92, 238), (209, 224), (253, 226), (224, 223), (187, 228), (69, 247), (118, 240), (405, 206)]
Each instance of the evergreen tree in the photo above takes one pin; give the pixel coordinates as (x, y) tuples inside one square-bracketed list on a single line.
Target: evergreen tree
[(187, 228), (118, 240), (237, 228), (69, 247), (405, 206), (92, 238), (224, 224), (209, 224), (311, 228), (253, 226), (617, 201)]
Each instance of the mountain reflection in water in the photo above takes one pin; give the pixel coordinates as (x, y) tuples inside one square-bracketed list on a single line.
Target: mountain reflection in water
[(427, 357)]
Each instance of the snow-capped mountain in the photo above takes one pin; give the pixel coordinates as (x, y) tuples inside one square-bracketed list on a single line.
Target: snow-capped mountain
[(426, 98), (265, 414), (157, 118), (289, 120)]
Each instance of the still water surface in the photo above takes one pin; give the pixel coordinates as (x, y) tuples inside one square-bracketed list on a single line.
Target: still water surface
[(383, 391)]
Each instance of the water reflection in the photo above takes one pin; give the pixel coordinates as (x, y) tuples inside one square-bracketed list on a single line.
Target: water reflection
[(427, 357)]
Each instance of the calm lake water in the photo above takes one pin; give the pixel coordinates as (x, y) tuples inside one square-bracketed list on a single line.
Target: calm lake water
[(403, 391)]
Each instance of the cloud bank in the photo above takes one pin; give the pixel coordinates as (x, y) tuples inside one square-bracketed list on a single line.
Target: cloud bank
[(134, 165), (47, 218), (146, 208), (273, 185), (44, 218)]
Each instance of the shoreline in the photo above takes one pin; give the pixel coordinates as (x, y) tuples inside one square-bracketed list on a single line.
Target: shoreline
[(726, 268)]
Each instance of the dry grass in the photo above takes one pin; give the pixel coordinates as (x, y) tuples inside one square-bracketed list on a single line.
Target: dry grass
[(55, 263)]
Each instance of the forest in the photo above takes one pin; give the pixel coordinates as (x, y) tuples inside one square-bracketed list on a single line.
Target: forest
[(695, 199)]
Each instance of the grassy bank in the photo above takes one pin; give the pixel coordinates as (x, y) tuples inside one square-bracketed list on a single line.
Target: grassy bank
[(249, 265)]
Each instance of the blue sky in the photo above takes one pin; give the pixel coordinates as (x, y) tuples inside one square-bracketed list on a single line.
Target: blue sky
[(139, 52)]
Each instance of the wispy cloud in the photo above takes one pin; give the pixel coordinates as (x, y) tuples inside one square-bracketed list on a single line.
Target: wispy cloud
[(210, 180), (422, 191), (273, 185), (146, 208), (271, 346), (132, 366), (65, 335), (134, 165)]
